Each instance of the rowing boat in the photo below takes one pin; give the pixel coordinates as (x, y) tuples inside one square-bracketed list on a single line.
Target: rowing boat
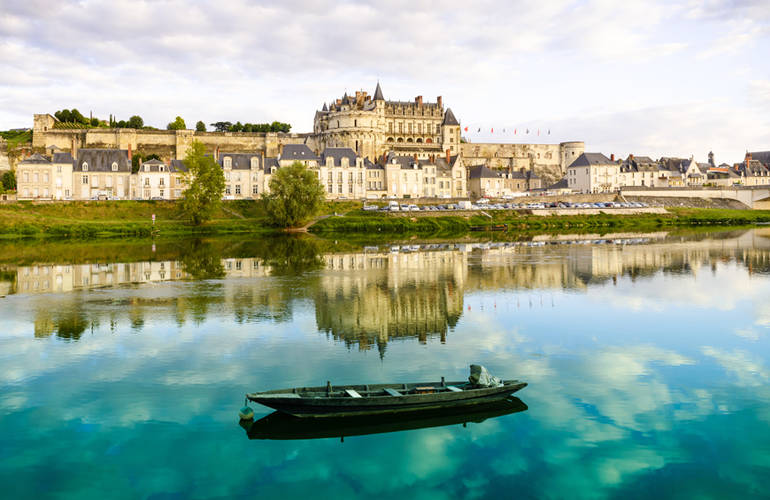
[(339, 401)]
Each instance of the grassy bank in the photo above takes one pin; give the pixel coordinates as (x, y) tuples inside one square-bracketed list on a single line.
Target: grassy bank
[(362, 223), (112, 219)]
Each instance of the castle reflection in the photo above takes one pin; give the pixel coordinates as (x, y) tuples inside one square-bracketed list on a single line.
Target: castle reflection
[(363, 299)]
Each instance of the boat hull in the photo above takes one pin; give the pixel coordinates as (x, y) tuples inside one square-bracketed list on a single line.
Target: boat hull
[(325, 406)]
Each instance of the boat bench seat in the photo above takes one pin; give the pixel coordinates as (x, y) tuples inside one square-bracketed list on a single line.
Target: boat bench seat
[(454, 389), (352, 393), (392, 392)]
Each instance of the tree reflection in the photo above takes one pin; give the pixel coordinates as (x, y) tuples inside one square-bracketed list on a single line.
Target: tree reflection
[(202, 261)]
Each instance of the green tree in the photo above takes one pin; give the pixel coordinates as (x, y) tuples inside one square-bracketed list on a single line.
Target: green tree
[(177, 124), (9, 181), (206, 183), (237, 127), (94, 122), (135, 122), (295, 196), (77, 117), (200, 126), (222, 126)]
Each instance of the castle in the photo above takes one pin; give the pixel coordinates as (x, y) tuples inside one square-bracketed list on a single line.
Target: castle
[(368, 124)]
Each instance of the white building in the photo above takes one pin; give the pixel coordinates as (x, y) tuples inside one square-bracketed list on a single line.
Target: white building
[(593, 173)]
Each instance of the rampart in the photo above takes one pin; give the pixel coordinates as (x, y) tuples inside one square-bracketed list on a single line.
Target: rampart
[(168, 144), (549, 161)]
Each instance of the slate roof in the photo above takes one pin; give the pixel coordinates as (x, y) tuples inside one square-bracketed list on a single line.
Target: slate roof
[(177, 166), (378, 93), (642, 159), (270, 163), (101, 160), (368, 164), (297, 152), (562, 184), (35, 159), (588, 159), (155, 165), (482, 172), (449, 118), (325, 108), (762, 156), (337, 154), (62, 158), (406, 162), (240, 161)]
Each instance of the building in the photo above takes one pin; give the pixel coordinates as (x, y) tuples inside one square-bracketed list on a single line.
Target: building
[(403, 176), (343, 174), (371, 126), (39, 178), (638, 171), (244, 175), (102, 174), (593, 173)]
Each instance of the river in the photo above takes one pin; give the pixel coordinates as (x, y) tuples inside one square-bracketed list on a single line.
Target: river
[(124, 364)]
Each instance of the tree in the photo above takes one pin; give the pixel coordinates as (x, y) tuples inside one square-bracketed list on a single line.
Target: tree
[(222, 126), (9, 181), (200, 126), (135, 122), (177, 124), (206, 183), (77, 117), (295, 196), (237, 127), (94, 122)]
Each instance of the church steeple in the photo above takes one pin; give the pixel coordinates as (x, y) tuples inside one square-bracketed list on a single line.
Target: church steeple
[(378, 93)]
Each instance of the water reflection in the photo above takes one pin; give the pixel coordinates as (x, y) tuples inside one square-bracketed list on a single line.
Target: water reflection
[(281, 426), (364, 298)]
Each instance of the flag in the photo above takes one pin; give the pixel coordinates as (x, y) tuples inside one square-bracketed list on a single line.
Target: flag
[(538, 131), (514, 131), (493, 131), (503, 130), (479, 129), (466, 129), (549, 131), (527, 130)]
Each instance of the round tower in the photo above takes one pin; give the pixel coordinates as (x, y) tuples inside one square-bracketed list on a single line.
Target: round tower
[(569, 152)]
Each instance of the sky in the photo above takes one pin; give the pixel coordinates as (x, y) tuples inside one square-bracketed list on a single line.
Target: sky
[(657, 78)]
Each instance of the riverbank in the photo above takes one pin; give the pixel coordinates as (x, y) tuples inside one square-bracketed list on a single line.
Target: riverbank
[(514, 221), (133, 219)]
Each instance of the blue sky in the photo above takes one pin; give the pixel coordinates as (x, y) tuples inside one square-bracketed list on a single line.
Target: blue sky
[(674, 78)]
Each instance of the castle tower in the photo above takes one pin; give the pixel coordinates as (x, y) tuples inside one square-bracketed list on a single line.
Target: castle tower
[(450, 133)]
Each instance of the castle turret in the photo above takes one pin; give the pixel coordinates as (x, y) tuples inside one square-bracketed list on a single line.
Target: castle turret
[(378, 93), (450, 132)]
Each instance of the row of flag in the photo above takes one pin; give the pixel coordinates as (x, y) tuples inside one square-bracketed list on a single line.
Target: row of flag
[(515, 131)]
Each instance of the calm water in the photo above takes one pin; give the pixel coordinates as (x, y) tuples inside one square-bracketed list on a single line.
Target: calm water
[(123, 366)]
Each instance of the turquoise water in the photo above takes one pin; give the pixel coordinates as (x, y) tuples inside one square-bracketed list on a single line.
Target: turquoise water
[(647, 358)]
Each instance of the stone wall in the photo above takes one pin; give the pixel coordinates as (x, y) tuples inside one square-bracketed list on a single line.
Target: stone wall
[(5, 164), (168, 144)]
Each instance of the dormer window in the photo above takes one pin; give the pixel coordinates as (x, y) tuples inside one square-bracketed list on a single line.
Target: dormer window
[(228, 162), (272, 170), (146, 168), (162, 168), (253, 163), (114, 167), (85, 167)]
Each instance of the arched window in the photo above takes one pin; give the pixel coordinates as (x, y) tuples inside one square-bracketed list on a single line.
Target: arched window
[(114, 167), (400, 139), (409, 140), (390, 139), (419, 139), (85, 167), (429, 140)]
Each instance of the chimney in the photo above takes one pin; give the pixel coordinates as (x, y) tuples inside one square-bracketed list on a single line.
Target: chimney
[(439, 101), (415, 157), (130, 154), (216, 154), (280, 149), (262, 159), (418, 100), (612, 157), (74, 150), (448, 158)]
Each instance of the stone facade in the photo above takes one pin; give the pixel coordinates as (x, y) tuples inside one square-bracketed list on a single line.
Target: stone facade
[(37, 177)]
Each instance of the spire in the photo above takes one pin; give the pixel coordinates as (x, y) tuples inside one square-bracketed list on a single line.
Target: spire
[(325, 108), (378, 93), (449, 118)]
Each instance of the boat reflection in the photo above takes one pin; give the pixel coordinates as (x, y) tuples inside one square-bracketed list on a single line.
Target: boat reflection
[(281, 426)]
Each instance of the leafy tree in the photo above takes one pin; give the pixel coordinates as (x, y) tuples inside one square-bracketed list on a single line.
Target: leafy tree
[(94, 122), (206, 183), (237, 127), (295, 196), (135, 122), (200, 126), (77, 117), (9, 181), (222, 126), (177, 124), (138, 158), (121, 124), (280, 127)]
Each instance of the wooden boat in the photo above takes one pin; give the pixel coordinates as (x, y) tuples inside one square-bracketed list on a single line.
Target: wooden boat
[(279, 425), (377, 399)]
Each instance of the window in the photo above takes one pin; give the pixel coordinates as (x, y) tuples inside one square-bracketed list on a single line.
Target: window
[(66, 193), (254, 190), (114, 167), (177, 193), (108, 181), (228, 162), (37, 177), (227, 189), (161, 181), (146, 181), (85, 179), (45, 178), (237, 189), (85, 167), (94, 180), (254, 163), (26, 176), (161, 193), (58, 169), (161, 168)]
